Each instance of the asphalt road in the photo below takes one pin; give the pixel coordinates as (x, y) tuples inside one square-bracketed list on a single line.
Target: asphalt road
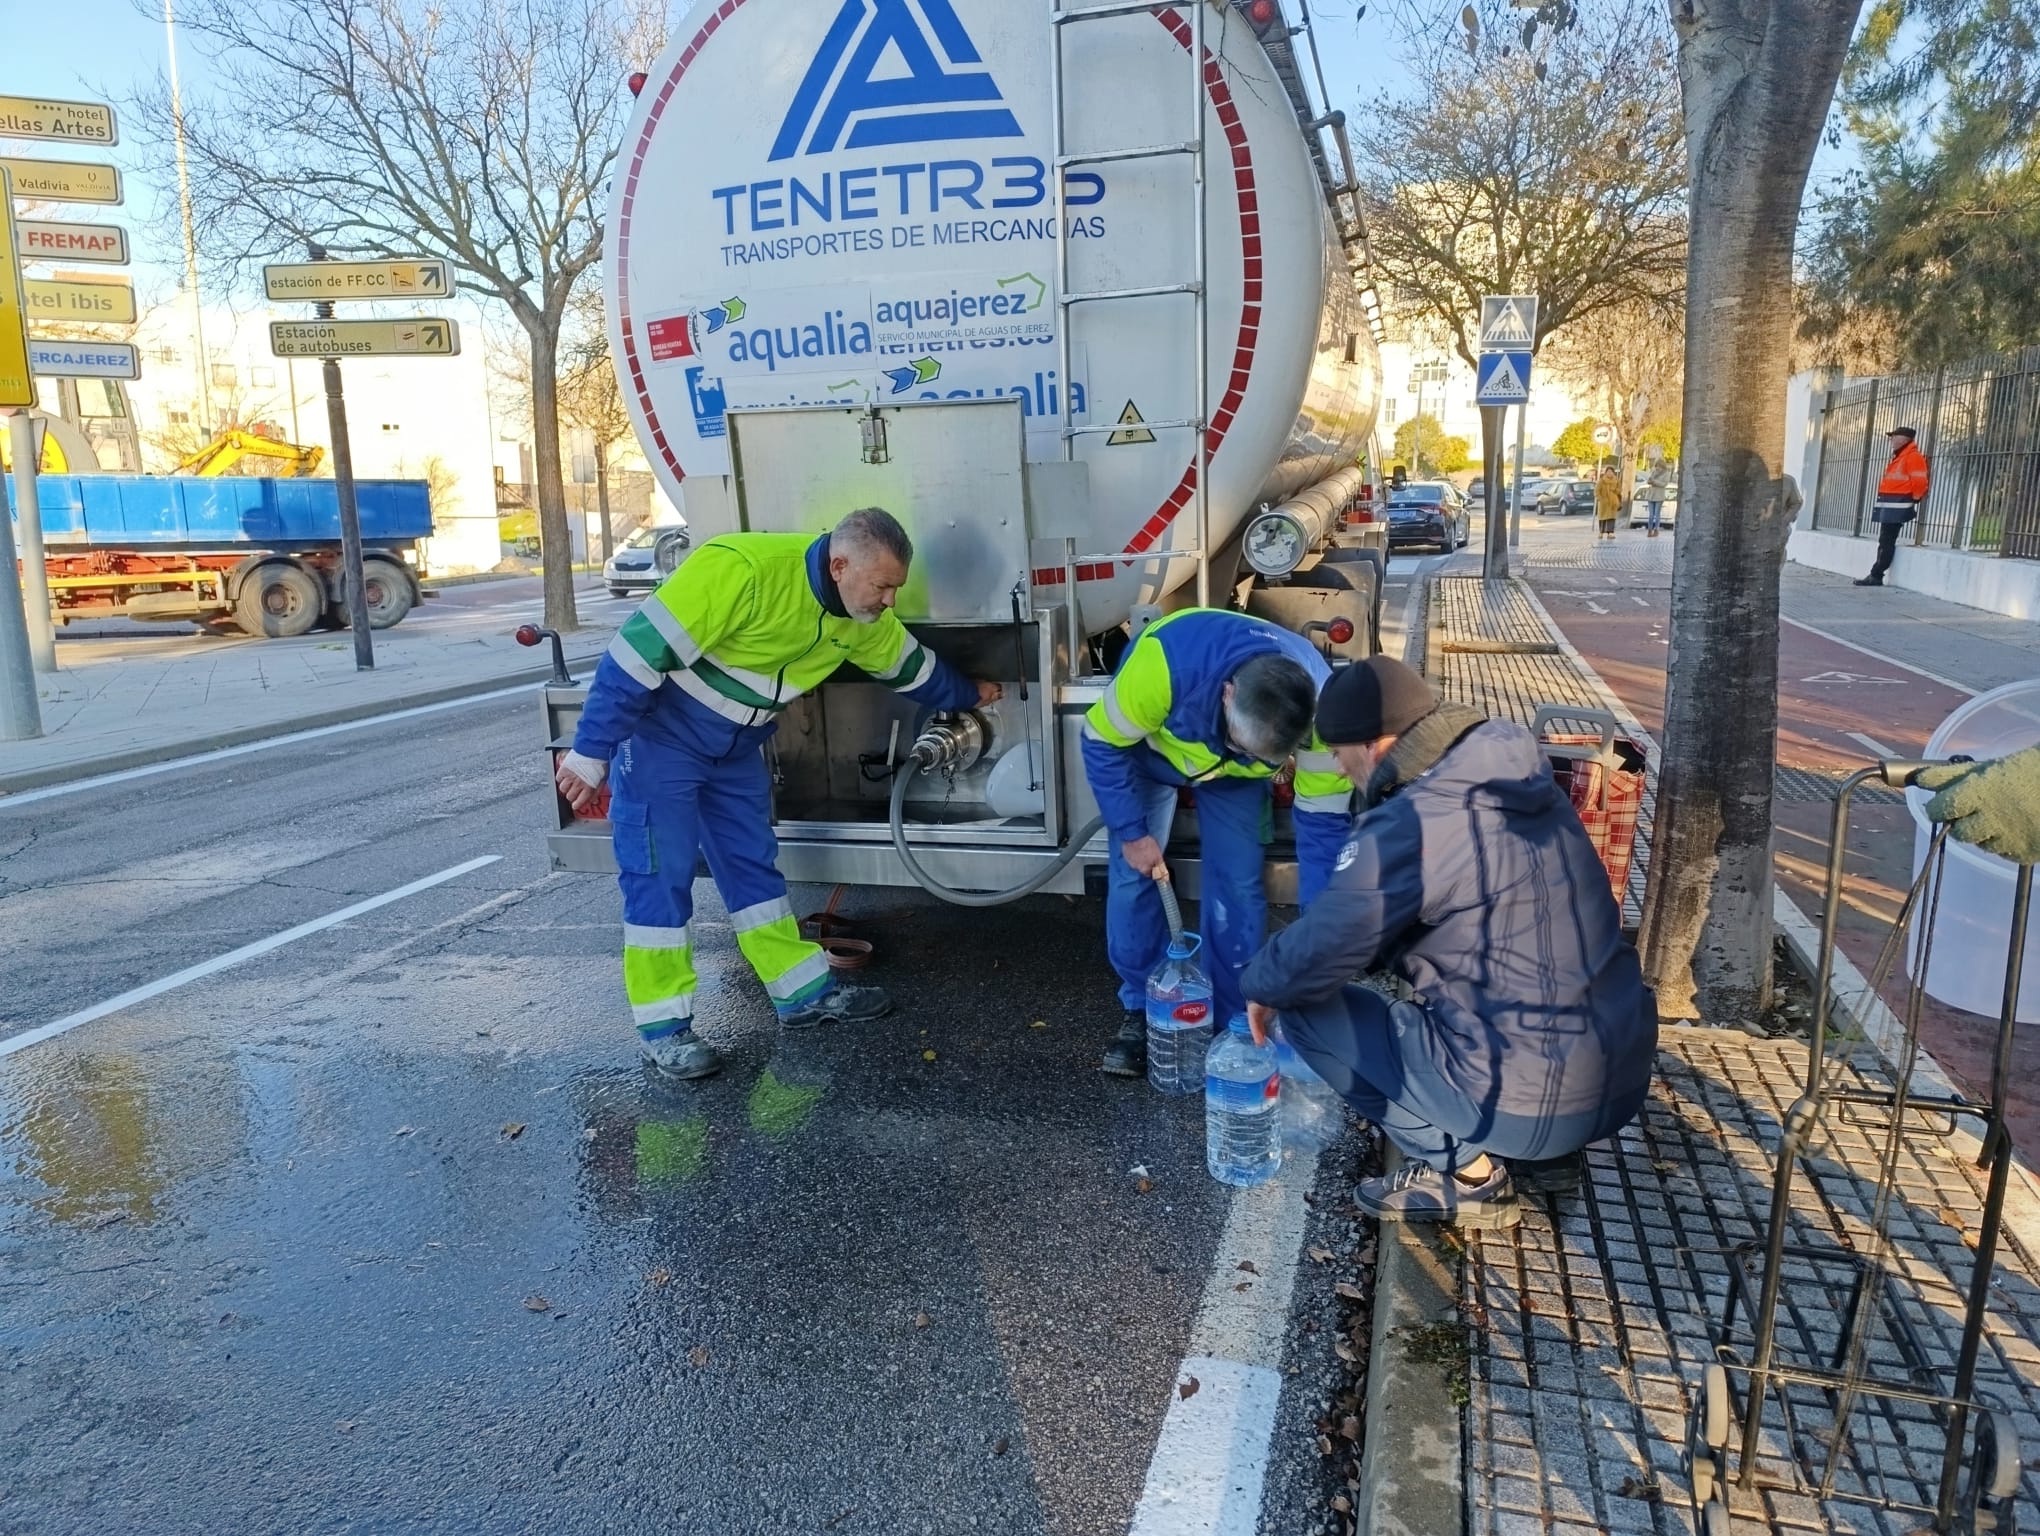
[(385, 1230)]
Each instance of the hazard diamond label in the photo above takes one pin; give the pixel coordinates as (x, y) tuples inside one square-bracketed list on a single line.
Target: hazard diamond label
[(1130, 418)]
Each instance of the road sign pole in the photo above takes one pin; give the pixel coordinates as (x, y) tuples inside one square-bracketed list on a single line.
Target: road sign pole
[(20, 713), (1516, 487), (353, 587), (350, 520), (26, 439)]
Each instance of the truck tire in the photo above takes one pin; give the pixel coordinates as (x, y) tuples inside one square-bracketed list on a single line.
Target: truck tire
[(278, 600), (387, 585)]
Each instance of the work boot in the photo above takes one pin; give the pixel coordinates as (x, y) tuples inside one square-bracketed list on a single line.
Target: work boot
[(682, 1057), (1126, 1056), (1547, 1175), (1869, 581), (843, 1003), (1418, 1192)]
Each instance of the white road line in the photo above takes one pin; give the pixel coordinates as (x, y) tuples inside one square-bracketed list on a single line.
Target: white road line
[(1932, 677), (221, 754), (1877, 748), (234, 957), (1211, 1459)]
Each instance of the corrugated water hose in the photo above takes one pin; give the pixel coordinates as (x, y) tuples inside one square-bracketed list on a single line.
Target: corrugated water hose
[(1028, 887)]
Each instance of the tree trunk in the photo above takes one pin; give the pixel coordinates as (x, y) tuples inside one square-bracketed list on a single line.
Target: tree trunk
[(602, 497), (556, 546), (1758, 78), (1495, 558)]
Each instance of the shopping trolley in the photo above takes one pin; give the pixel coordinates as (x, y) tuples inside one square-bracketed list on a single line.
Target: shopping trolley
[(1755, 1383)]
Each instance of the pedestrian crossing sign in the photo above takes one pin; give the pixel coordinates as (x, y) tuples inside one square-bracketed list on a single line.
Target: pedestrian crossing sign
[(1504, 379), (1508, 322)]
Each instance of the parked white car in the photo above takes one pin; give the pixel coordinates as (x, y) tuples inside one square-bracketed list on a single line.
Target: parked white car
[(645, 559)]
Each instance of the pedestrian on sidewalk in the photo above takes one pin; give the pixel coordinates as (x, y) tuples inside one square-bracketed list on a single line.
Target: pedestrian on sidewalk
[(681, 707), (1531, 1033), (1607, 500), (1657, 475), (1901, 491)]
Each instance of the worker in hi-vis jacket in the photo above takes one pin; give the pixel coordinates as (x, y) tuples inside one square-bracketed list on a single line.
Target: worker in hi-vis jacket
[(1219, 702), (677, 717)]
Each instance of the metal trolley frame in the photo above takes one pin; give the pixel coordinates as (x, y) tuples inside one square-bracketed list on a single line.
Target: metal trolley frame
[(1979, 1460)]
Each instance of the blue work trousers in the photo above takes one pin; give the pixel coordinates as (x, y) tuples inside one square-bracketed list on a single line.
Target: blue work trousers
[(1381, 1060), (669, 801), (1232, 819)]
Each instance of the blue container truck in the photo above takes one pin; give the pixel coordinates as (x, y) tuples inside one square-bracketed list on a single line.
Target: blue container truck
[(259, 555)]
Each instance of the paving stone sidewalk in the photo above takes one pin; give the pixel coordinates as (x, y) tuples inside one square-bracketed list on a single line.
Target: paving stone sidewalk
[(1586, 1329), (117, 702)]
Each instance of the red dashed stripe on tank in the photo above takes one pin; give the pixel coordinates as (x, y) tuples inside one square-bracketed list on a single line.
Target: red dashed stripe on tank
[(1250, 274)]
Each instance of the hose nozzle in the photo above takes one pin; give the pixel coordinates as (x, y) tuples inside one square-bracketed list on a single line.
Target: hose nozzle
[(952, 742)]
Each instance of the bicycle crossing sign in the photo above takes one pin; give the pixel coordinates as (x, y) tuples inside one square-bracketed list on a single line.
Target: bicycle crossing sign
[(1508, 322), (1504, 379)]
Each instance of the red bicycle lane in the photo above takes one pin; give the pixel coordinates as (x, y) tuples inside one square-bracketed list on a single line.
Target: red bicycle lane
[(1839, 709)]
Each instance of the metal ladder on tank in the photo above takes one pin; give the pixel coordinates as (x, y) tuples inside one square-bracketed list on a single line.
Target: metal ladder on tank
[(1061, 18)]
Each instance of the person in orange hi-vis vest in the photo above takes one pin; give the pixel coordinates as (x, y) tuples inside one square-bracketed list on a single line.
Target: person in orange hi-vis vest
[(1901, 492)]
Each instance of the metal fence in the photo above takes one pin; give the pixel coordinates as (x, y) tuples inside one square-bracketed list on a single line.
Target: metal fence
[(1979, 426)]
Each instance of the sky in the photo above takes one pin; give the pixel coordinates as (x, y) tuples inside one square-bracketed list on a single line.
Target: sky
[(107, 49)]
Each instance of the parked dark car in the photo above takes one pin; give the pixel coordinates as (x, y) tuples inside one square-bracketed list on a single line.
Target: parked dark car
[(1562, 498), (1432, 513)]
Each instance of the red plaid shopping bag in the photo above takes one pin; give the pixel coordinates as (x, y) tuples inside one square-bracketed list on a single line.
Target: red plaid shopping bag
[(1603, 775)]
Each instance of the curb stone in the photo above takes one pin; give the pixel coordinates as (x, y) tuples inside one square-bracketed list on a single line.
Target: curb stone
[(143, 757), (1411, 1477)]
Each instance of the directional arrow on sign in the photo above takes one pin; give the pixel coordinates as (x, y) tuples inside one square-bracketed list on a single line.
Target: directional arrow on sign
[(923, 370)]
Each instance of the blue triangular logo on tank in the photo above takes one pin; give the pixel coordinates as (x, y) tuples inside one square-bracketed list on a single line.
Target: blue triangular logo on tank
[(857, 83)]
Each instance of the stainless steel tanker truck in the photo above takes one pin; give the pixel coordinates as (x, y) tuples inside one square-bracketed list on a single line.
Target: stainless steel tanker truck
[(841, 274)]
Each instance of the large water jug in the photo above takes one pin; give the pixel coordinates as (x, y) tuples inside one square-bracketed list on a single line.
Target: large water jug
[(1178, 1019), (1313, 1114), (1242, 1109), (1973, 917)]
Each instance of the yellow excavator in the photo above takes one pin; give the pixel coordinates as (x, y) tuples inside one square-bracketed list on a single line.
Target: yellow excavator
[(238, 452)]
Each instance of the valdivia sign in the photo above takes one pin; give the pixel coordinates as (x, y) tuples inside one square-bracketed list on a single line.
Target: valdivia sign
[(831, 202)]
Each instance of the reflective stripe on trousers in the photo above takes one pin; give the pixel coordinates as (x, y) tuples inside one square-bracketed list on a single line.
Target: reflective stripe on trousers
[(669, 804)]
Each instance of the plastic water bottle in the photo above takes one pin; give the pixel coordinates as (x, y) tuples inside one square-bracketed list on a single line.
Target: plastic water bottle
[(1313, 1114), (1242, 1109), (1178, 1019)]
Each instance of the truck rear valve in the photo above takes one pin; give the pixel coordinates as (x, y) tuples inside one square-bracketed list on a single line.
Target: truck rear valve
[(951, 743)]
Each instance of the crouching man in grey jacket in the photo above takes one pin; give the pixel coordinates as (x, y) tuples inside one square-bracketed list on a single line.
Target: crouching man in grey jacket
[(1469, 875)]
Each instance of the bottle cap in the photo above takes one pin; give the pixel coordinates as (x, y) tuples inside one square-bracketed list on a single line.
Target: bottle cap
[(1185, 947), (1239, 1025)]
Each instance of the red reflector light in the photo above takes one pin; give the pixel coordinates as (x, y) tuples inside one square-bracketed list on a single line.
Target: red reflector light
[(527, 634), (1341, 630), (637, 81), (1261, 12)]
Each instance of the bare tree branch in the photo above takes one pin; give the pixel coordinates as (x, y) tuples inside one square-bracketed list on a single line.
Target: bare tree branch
[(482, 132)]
